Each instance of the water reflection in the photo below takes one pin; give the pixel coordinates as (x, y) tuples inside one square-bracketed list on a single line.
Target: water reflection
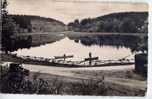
[(118, 41), (101, 46)]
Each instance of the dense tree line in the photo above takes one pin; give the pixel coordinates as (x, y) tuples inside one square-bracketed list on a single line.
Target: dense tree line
[(24, 22), (32, 17), (127, 22)]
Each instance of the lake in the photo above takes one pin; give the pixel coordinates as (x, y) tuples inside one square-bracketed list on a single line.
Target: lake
[(106, 48)]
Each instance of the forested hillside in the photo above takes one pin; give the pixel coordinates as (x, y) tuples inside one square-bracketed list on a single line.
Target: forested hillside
[(27, 23), (124, 22)]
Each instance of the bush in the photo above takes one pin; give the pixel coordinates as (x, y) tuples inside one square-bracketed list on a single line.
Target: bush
[(16, 80)]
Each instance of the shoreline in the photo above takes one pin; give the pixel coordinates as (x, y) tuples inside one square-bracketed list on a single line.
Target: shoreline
[(14, 58)]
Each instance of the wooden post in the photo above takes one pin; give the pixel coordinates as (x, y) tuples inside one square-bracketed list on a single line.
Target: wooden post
[(64, 57), (90, 59)]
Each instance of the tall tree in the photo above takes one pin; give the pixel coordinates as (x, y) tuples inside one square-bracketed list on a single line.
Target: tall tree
[(8, 29)]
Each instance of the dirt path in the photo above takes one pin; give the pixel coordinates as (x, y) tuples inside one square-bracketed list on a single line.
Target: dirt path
[(65, 71), (49, 69)]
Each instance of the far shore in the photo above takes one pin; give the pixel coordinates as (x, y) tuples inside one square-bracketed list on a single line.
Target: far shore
[(39, 38), (67, 33)]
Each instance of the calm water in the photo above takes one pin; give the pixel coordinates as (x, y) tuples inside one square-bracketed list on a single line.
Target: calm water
[(77, 48)]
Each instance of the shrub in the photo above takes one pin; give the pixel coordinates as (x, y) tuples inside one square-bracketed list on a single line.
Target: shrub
[(16, 80)]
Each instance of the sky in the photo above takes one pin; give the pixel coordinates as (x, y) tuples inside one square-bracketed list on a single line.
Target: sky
[(69, 10)]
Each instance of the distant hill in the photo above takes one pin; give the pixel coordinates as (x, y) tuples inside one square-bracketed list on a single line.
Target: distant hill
[(27, 23), (124, 22)]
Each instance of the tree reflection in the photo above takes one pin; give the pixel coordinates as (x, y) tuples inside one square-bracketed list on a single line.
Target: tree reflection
[(128, 41)]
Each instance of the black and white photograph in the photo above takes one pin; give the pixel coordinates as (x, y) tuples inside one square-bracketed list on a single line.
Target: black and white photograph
[(74, 47)]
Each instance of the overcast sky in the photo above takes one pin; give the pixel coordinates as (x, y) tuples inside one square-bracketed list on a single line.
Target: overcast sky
[(66, 10)]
